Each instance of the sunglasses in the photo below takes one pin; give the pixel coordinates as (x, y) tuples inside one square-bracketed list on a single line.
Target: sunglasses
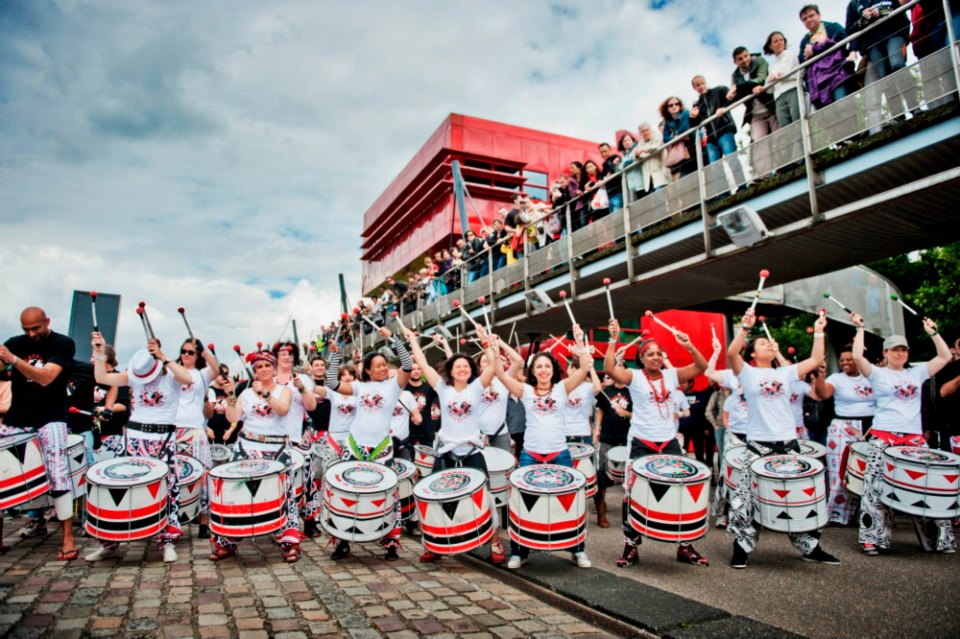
[(184, 351), (674, 104)]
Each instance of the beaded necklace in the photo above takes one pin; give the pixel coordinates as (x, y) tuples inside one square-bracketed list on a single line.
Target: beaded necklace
[(661, 397)]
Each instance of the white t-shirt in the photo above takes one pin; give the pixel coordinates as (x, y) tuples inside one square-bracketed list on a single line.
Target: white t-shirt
[(343, 409), (767, 391), (680, 402), (297, 412), (852, 396), (737, 409), (193, 397), (652, 420), (493, 409), (545, 425), (400, 417), (459, 416), (798, 390), (898, 396), (578, 409), (258, 415), (375, 404), (156, 402)]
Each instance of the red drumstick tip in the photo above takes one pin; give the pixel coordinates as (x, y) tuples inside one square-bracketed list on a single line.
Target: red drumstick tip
[(456, 303), (764, 273), (236, 347), (139, 310), (482, 299), (181, 310), (645, 331), (809, 329), (648, 313), (259, 345), (463, 341), (563, 294), (762, 318), (93, 294), (356, 310), (822, 311), (344, 316), (394, 314), (791, 350), (142, 304), (73, 410), (606, 281), (210, 347)]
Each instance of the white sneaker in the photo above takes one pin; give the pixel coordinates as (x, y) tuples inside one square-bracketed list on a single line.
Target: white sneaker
[(169, 554), (103, 552), (515, 562), (582, 560)]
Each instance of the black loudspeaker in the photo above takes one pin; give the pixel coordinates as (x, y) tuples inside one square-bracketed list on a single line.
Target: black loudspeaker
[(81, 320)]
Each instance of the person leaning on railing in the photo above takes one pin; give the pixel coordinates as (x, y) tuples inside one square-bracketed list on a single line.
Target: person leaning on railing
[(827, 79), (676, 122), (785, 96)]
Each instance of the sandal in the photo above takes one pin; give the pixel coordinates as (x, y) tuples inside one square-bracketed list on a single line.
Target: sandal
[(291, 552), (222, 552), (68, 555)]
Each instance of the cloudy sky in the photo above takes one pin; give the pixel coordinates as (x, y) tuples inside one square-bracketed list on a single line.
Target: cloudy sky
[(219, 155)]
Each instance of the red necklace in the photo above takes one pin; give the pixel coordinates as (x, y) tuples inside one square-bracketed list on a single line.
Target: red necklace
[(661, 397)]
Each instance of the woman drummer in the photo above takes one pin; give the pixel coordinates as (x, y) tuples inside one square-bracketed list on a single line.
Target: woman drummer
[(369, 439), (343, 409), (653, 429), (544, 440), (263, 408), (578, 409), (854, 407), (897, 422), (771, 429), (493, 409), (460, 389)]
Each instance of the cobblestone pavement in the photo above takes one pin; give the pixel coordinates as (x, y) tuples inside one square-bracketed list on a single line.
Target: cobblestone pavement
[(256, 595)]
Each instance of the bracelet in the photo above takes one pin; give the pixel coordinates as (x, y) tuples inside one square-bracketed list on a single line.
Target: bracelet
[(166, 361), (934, 334), (100, 358), (818, 335), (231, 401), (745, 330), (265, 395)]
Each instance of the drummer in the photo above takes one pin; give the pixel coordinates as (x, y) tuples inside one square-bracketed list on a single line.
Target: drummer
[(155, 387), (544, 441), (263, 407), (460, 389), (578, 409), (653, 428), (343, 409), (854, 407), (493, 409), (613, 424), (404, 414), (897, 422), (369, 438), (193, 436), (771, 429)]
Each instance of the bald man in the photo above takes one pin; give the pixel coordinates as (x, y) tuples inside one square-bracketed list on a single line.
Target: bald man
[(39, 363)]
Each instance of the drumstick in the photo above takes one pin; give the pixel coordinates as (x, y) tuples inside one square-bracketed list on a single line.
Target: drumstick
[(557, 342), (660, 322), (243, 362), (148, 327), (895, 298), (513, 329), (183, 314), (143, 322), (606, 288), (764, 274), (367, 320), (483, 307), (563, 296), (396, 316), (73, 410), (93, 310), (763, 322), (644, 333), (827, 295), (224, 369), (456, 304)]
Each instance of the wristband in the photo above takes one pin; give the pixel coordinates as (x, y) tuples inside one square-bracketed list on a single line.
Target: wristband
[(818, 335), (165, 362), (934, 334), (100, 358), (265, 395)]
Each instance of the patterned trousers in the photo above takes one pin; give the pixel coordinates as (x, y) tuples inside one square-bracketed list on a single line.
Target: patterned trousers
[(53, 443), (311, 485), (194, 442), (842, 503)]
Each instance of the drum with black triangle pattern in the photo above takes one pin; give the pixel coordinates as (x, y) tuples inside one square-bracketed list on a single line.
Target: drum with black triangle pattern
[(220, 453), (584, 460), (791, 493), (247, 498), (617, 464), (455, 510), (406, 476), (77, 467), (921, 481), (669, 498), (359, 500), (191, 484), (731, 468), (126, 498), (423, 457), (548, 507), (499, 465), (854, 464), (23, 476)]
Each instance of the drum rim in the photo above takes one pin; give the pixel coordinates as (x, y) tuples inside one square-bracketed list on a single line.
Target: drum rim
[(814, 463), (218, 471), (586, 453), (626, 453), (23, 437), (704, 471), (365, 490), (887, 452), (409, 472), (466, 491), (196, 464), (140, 481), (539, 491)]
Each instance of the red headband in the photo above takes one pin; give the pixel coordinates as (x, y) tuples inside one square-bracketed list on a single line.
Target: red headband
[(265, 356)]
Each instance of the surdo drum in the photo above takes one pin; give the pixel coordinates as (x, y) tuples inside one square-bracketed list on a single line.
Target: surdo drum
[(247, 497), (455, 510), (297, 461), (921, 481), (423, 457), (856, 457), (583, 460), (77, 466), (499, 464), (220, 454), (810, 448), (22, 474), (126, 498), (791, 493), (406, 476), (669, 498), (732, 466), (359, 500), (548, 507), (617, 464), (190, 471)]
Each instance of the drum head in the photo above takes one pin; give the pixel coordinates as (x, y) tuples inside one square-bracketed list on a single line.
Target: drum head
[(734, 456), (423, 450), (671, 469), (296, 460), (189, 469), (403, 468), (247, 469), (220, 453), (922, 455), (810, 448), (498, 460), (360, 477), (861, 448), (127, 471), (786, 466), (617, 454), (15, 440), (547, 478), (578, 451), (74, 440), (449, 484)]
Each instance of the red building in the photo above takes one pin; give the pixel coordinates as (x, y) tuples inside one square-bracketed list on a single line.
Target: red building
[(415, 214)]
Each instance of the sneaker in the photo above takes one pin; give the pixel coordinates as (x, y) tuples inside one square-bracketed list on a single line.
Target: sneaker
[(310, 529), (497, 555), (740, 556), (515, 562), (819, 556), (169, 554), (34, 528), (103, 552), (428, 557), (688, 554), (582, 560), (869, 549), (390, 550), (629, 556), (341, 551)]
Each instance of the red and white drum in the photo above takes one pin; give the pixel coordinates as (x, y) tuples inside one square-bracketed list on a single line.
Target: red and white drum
[(810, 448), (406, 477), (220, 454), (855, 461), (669, 498), (921, 481), (617, 464), (455, 510), (499, 464), (191, 474), (548, 507), (791, 493), (297, 461), (247, 497), (423, 457), (359, 500), (22, 474), (126, 498), (77, 465), (584, 457), (732, 466)]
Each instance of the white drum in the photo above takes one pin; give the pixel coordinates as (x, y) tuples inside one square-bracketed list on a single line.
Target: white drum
[(921, 481), (423, 457), (247, 497), (669, 498), (23, 476), (732, 466), (855, 459), (584, 457), (810, 448), (102, 454), (359, 500), (406, 477), (220, 454), (617, 464), (191, 474), (455, 510), (77, 465), (548, 507), (499, 464), (126, 498), (791, 493), (297, 461)]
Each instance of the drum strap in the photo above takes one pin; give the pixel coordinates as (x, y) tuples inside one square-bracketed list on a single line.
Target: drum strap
[(337, 450), (657, 446), (544, 458), (892, 439), (372, 453)]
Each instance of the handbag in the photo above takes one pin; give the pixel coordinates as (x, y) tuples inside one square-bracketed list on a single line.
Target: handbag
[(600, 200), (676, 154)]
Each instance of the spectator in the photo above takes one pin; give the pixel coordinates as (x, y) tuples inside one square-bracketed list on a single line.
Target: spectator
[(676, 121), (656, 175), (473, 256), (748, 79), (611, 164), (785, 96), (929, 33), (828, 78), (579, 209), (720, 132), (627, 144), (493, 239), (596, 207)]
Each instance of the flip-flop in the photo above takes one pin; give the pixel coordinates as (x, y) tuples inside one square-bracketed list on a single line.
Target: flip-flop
[(220, 553), (68, 555)]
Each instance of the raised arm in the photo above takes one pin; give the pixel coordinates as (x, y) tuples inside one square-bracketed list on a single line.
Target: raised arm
[(179, 373), (444, 344), (699, 361), (816, 353), (619, 375), (942, 357), (863, 364), (433, 378), (406, 362), (514, 386), (486, 376), (100, 373), (740, 340), (580, 375), (711, 372), (331, 378), (516, 361)]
